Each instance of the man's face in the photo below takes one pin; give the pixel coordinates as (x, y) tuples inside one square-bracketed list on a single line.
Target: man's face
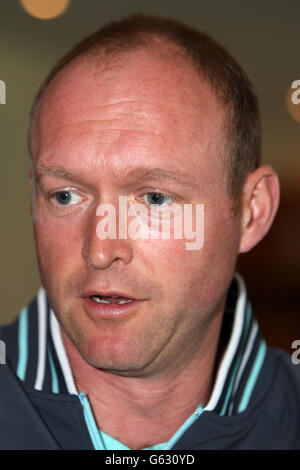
[(95, 128)]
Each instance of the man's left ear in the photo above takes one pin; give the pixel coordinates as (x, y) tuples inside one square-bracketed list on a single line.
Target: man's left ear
[(260, 203)]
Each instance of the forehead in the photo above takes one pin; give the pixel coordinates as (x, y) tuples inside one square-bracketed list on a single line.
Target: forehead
[(142, 102)]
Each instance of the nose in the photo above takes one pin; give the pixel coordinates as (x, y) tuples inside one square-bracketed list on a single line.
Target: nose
[(101, 252)]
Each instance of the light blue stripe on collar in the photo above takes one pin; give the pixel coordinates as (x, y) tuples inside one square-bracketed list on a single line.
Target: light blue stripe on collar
[(110, 443), (234, 373), (253, 376), (183, 428), (23, 344), (91, 423)]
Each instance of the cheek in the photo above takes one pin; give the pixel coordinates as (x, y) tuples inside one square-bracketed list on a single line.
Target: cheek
[(222, 241), (57, 242), (199, 277), (170, 265)]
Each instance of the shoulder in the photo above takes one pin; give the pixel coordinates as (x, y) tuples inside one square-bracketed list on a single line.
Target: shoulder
[(283, 371), (278, 393)]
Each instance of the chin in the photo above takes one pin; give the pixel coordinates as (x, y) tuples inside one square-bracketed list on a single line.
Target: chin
[(121, 367), (122, 361), (114, 350)]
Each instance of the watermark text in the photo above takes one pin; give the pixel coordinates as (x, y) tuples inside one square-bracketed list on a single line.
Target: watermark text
[(2, 352), (295, 96), (2, 92), (296, 354), (162, 222)]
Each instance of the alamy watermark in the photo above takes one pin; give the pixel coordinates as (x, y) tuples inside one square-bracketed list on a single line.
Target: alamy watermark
[(295, 96), (2, 92), (163, 222), (296, 354), (2, 352)]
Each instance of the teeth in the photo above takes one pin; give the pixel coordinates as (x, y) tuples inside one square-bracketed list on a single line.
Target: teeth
[(100, 300), (97, 299)]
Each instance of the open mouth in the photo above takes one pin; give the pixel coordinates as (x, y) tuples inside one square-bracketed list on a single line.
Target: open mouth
[(112, 299), (110, 305)]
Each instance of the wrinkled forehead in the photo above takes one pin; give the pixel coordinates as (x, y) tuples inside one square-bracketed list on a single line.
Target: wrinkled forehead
[(143, 91)]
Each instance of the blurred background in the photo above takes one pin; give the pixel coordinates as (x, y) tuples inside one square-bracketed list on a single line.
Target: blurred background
[(262, 36)]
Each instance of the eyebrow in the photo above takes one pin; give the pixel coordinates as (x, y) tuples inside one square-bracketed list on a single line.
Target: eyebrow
[(137, 174), (42, 170)]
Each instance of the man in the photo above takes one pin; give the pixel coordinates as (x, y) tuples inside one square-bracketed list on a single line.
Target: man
[(138, 342)]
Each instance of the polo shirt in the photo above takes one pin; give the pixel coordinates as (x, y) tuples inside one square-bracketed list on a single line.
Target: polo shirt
[(254, 402)]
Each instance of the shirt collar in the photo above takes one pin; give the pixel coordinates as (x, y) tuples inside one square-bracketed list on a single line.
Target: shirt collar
[(43, 364)]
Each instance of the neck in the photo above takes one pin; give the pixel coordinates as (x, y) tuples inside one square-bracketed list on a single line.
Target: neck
[(144, 410)]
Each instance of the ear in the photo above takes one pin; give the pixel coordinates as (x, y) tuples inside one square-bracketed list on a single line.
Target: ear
[(260, 203)]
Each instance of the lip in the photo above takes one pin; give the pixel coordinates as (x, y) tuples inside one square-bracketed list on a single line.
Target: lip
[(90, 293), (109, 311)]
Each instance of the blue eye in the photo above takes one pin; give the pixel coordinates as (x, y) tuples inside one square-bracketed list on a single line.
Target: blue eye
[(63, 197), (66, 198), (158, 199)]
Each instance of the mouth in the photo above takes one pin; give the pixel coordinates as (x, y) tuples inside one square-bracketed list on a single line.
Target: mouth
[(110, 300), (110, 305)]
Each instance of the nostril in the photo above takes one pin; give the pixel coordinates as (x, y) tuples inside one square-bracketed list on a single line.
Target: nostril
[(101, 254)]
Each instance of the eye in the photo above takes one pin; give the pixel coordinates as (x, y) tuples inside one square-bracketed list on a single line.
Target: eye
[(158, 199), (66, 198)]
